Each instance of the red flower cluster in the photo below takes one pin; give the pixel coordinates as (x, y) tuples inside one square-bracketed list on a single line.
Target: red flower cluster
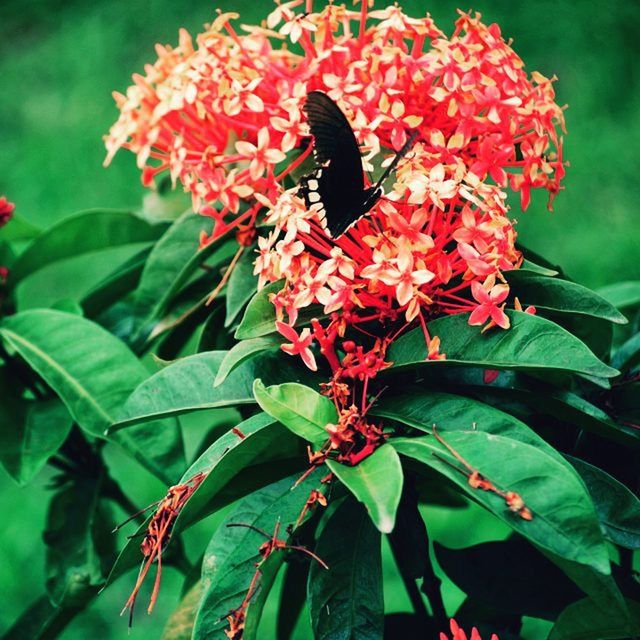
[(225, 118), (458, 634)]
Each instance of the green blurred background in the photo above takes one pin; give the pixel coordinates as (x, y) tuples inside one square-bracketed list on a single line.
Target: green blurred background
[(59, 62)]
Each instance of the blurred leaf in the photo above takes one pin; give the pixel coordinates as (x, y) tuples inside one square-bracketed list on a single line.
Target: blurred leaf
[(93, 372), (299, 408), (376, 482), (213, 337), (585, 620), (19, 230), (115, 286), (233, 554), (564, 519), (347, 600), (562, 295), (509, 575), (617, 507), (187, 385), (624, 400), (531, 343), (180, 623), (81, 233), (622, 294), (74, 566), (172, 261), (30, 432), (243, 351), (41, 621), (242, 285)]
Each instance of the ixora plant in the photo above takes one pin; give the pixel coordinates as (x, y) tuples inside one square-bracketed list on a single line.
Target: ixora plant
[(420, 357)]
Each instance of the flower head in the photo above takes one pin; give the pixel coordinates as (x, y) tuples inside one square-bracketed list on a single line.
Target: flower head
[(457, 633), (6, 211)]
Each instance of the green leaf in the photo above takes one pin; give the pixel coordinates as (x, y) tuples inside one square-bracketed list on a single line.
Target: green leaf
[(232, 556), (30, 433), (585, 620), (74, 567), (377, 483), (347, 601), (564, 519), (256, 440), (617, 507), (299, 408), (421, 410), (509, 575), (627, 355), (259, 318), (187, 385), (563, 296), (93, 372), (180, 623), (622, 294), (241, 287), (243, 351), (172, 261), (115, 286), (529, 267), (532, 343), (19, 230), (82, 233)]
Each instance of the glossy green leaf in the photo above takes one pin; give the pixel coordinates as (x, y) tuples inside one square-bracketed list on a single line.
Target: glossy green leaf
[(347, 601), (562, 295), (187, 385), (532, 343), (564, 518), (377, 483), (528, 267), (30, 433), (81, 233), (230, 561), (585, 620), (299, 408), (241, 287), (617, 507), (93, 372), (74, 567), (19, 230), (622, 294), (259, 318), (424, 409), (172, 261), (243, 351)]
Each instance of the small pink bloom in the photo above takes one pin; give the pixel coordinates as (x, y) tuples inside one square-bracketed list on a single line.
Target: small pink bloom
[(299, 344), (489, 298)]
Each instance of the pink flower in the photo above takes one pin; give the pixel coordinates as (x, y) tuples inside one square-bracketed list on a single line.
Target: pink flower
[(299, 344), (489, 296), (260, 154)]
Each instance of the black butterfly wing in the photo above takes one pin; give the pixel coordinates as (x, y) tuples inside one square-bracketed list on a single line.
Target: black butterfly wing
[(339, 183)]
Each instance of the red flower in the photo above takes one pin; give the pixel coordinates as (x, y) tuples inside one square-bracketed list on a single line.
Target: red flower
[(458, 634), (6, 211), (489, 295), (299, 344)]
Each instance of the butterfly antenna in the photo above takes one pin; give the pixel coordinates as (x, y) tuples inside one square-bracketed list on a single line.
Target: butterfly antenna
[(399, 155)]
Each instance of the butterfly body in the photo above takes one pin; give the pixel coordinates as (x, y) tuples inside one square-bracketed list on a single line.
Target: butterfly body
[(337, 186)]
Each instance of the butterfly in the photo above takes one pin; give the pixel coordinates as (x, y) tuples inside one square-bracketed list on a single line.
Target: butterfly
[(337, 183)]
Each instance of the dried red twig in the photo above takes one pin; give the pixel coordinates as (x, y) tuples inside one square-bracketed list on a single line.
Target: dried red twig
[(478, 481), (157, 537)]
